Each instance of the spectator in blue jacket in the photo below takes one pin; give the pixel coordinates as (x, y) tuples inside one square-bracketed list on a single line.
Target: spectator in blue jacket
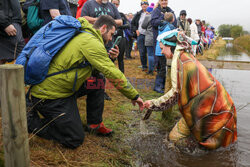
[(157, 19), (162, 62), (157, 16)]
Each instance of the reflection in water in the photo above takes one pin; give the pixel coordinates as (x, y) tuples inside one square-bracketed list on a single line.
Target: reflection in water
[(153, 152), (232, 54)]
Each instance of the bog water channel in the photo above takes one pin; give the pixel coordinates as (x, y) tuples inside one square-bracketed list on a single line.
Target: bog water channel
[(151, 149)]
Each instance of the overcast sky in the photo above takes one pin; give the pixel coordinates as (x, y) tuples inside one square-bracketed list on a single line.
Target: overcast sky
[(216, 12)]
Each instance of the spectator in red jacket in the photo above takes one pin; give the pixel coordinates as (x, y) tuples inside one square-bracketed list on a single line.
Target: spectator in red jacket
[(79, 8)]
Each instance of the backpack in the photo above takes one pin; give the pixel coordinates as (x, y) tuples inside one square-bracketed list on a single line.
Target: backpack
[(43, 46), (31, 9)]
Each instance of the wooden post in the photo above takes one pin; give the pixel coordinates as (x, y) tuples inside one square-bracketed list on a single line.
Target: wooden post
[(14, 121)]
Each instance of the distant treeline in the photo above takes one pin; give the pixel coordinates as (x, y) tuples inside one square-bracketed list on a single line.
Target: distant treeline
[(234, 31)]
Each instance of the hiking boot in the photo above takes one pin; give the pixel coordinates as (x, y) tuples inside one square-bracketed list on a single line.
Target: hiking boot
[(99, 129), (106, 96)]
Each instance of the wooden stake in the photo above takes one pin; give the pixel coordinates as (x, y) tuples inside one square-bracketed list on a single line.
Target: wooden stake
[(14, 121)]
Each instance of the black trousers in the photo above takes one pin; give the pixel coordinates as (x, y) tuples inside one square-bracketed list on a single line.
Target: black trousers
[(122, 47), (129, 46), (63, 118)]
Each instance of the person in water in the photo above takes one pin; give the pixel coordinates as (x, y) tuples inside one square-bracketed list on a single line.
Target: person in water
[(208, 111)]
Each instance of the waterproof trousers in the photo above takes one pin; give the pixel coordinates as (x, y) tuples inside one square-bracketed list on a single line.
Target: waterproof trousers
[(59, 119)]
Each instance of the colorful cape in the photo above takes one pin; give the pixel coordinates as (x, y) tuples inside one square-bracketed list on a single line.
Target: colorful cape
[(205, 105)]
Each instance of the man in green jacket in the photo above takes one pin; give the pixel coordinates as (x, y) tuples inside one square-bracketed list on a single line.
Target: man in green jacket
[(56, 97)]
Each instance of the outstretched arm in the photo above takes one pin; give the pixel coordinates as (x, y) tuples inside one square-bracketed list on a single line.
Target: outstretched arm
[(138, 101), (171, 97)]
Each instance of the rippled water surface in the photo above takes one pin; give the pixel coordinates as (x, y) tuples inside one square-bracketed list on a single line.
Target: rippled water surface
[(153, 152)]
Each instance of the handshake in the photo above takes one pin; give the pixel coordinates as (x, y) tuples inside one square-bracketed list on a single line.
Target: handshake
[(142, 105)]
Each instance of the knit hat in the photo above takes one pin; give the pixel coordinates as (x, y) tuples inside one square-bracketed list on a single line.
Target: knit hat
[(150, 8), (144, 2)]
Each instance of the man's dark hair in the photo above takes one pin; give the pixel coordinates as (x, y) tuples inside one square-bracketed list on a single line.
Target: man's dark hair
[(105, 20)]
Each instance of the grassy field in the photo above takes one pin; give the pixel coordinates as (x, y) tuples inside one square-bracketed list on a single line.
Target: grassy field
[(243, 43), (108, 151)]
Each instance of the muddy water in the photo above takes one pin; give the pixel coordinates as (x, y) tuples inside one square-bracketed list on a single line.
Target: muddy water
[(152, 151)]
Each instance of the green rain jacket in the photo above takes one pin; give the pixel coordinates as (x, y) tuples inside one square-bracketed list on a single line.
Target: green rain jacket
[(83, 47)]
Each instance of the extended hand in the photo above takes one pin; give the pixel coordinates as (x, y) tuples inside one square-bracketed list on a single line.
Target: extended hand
[(114, 52), (10, 30), (139, 101), (147, 104)]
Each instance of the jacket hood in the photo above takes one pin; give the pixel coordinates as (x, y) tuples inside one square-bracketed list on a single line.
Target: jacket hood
[(164, 25), (86, 26)]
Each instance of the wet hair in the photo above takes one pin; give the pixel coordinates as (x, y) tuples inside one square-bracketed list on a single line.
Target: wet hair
[(105, 20)]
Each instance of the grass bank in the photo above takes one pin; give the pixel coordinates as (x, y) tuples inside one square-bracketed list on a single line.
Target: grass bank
[(214, 51), (243, 43), (102, 151)]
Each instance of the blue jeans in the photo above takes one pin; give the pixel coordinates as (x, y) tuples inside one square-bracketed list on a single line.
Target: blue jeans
[(151, 59), (142, 50)]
